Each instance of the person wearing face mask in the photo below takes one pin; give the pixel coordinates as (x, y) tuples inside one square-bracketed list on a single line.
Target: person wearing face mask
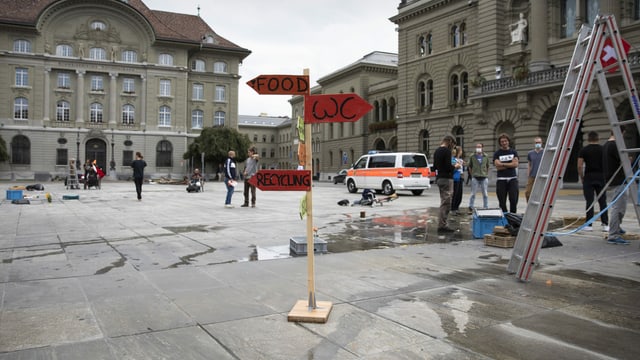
[(534, 157), (479, 171)]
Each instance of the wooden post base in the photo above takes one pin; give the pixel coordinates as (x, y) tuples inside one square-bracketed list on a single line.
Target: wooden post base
[(302, 313)]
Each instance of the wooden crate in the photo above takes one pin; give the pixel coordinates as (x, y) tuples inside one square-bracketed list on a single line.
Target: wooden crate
[(499, 240)]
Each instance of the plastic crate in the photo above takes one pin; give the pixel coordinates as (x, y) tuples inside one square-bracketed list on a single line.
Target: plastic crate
[(484, 220), (14, 194), (298, 245)]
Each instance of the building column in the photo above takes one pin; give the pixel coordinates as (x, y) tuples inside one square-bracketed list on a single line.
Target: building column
[(80, 98), (539, 43), (47, 96), (112, 98), (143, 102)]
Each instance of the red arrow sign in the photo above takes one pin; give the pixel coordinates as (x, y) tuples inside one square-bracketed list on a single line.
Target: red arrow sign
[(334, 108), (280, 84), (608, 56), (282, 180)]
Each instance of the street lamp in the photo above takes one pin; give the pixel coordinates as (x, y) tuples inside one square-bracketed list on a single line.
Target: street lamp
[(78, 149), (112, 164)]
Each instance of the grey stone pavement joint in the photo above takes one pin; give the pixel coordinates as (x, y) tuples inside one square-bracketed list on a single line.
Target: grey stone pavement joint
[(179, 276)]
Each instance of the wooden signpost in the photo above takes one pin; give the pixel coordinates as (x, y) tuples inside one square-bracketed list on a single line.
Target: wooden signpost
[(318, 109)]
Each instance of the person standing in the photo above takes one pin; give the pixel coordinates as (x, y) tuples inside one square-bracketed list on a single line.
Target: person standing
[(250, 169), (230, 176), (458, 180), (138, 166), (506, 161), (592, 178), (534, 158), (479, 173), (444, 179), (615, 176)]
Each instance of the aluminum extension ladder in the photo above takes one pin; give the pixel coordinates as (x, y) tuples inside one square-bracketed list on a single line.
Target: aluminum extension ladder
[(72, 176), (593, 47)]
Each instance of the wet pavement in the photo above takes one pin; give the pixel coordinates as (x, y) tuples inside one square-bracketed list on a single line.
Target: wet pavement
[(178, 276)]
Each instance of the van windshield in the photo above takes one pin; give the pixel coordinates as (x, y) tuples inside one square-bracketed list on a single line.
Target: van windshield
[(415, 160)]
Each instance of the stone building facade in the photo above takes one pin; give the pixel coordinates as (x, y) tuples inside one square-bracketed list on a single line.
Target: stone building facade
[(103, 79)]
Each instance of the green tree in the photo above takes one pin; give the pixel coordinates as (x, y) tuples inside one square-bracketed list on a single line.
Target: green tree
[(4, 154), (216, 142)]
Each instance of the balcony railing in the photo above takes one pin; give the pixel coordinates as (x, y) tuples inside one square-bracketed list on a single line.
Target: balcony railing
[(553, 76)]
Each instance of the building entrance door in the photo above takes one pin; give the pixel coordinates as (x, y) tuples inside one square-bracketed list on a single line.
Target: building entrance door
[(96, 149)]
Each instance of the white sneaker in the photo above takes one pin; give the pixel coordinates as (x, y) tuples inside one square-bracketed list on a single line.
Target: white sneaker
[(588, 228), (228, 206), (605, 228)]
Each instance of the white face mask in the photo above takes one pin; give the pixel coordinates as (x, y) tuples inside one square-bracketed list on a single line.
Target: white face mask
[(538, 146), (479, 150)]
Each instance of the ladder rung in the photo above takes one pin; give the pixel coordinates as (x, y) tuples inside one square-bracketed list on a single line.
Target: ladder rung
[(625, 122), (631, 150), (621, 93)]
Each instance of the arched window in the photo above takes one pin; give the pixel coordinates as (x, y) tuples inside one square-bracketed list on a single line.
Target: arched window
[(129, 56), (197, 117), (459, 87), (464, 83), (164, 116), (429, 44), (198, 65), (376, 111), (20, 150), (98, 25), (63, 109), (430, 92), (392, 109), (165, 59), (455, 88), (95, 113), (128, 114), (462, 29), (422, 94), (383, 110), (64, 50), (220, 67), (21, 108), (164, 152), (22, 46), (96, 53), (219, 118), (255, 138)]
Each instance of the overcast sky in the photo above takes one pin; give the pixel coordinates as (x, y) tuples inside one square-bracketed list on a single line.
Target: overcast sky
[(286, 36)]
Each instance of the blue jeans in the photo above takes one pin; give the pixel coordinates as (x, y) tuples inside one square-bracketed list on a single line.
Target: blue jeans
[(230, 190), (483, 183)]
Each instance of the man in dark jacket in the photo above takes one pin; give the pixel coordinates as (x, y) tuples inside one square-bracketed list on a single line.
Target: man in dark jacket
[(442, 162)]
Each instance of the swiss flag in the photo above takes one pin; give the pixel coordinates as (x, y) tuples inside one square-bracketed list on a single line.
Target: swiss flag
[(608, 56)]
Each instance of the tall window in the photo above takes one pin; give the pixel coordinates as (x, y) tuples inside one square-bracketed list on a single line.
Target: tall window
[(197, 65), (20, 150), (62, 156), (592, 9), (221, 93), (196, 119), (22, 77), (96, 53), (462, 32), (218, 118), (64, 50), (430, 92), (22, 46), (220, 67), (424, 142), (128, 85), (64, 80), (21, 109), (62, 110), (163, 154), (636, 9), (165, 59), (455, 36), (458, 132), (422, 45), (164, 116), (567, 18), (459, 86), (165, 87), (128, 114), (97, 83), (95, 113), (129, 56), (422, 94), (198, 92)]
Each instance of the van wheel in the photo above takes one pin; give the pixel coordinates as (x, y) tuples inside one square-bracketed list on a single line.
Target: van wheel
[(351, 186), (387, 188), (417, 192)]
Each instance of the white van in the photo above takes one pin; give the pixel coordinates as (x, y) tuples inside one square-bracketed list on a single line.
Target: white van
[(387, 172)]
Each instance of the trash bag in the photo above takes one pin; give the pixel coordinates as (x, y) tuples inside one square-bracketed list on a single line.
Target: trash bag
[(513, 219), (343, 202), (35, 187), (550, 241)]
